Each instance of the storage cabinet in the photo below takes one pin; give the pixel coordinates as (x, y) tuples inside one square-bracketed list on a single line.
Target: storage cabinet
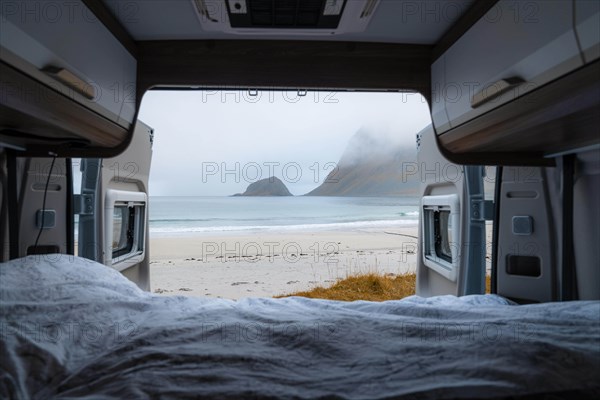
[(515, 48), (38, 37)]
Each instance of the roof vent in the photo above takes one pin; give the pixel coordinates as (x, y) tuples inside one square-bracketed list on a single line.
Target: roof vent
[(285, 17)]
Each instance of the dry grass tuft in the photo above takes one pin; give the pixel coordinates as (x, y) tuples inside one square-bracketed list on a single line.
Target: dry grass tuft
[(371, 287)]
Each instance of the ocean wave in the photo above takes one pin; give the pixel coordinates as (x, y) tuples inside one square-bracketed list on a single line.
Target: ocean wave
[(409, 214), (279, 228), (184, 220)]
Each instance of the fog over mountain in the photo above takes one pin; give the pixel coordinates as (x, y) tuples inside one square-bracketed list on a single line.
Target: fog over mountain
[(372, 165)]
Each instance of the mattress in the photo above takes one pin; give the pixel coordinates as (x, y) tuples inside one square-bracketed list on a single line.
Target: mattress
[(73, 328)]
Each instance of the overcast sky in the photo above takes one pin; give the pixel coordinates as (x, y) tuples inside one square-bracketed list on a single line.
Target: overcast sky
[(209, 143)]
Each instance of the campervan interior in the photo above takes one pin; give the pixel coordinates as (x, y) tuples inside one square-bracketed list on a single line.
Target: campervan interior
[(512, 84)]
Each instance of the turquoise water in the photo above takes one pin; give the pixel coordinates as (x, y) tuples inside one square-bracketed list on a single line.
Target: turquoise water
[(173, 215)]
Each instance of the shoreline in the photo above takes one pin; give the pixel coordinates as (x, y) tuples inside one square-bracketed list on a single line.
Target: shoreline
[(349, 226), (237, 264)]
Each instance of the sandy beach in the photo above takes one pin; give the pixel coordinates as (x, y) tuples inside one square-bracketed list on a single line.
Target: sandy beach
[(265, 264)]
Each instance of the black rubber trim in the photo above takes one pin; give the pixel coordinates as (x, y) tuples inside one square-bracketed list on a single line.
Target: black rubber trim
[(70, 216), (569, 281), (13, 206), (495, 231)]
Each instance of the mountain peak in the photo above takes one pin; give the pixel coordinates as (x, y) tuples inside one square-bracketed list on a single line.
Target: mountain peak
[(371, 165)]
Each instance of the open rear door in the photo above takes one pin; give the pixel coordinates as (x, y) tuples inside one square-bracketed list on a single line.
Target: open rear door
[(452, 236), (113, 209)]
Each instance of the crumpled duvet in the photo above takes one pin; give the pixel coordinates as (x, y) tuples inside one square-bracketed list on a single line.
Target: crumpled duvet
[(72, 328)]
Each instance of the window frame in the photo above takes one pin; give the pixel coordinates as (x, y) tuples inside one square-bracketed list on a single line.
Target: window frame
[(433, 256), (135, 250), (130, 214)]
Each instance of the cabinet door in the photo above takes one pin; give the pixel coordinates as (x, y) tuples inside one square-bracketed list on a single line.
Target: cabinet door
[(513, 49)]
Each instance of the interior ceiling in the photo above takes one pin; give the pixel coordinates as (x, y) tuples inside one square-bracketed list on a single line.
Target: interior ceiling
[(394, 21)]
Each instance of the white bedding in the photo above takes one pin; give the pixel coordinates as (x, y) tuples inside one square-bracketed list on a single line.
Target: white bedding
[(72, 328)]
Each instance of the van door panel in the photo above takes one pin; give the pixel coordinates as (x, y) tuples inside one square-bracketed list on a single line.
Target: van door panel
[(39, 176), (526, 256), (449, 199), (115, 232)]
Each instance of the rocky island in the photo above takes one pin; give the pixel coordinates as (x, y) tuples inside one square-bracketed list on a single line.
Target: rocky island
[(272, 186)]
